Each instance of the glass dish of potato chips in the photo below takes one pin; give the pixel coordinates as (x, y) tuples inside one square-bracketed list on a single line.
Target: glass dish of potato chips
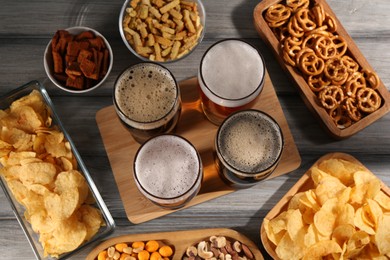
[(48, 186), (337, 210)]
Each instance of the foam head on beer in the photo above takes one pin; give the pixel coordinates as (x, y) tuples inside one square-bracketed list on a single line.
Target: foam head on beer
[(250, 142), (168, 167), (145, 93), (232, 73)]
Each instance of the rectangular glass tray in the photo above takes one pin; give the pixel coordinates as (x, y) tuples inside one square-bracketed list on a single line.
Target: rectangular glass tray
[(18, 209)]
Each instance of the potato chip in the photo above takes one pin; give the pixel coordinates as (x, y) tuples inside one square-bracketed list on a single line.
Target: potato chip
[(18, 189), (356, 244), (289, 249), (382, 237), (325, 218), (341, 169), (69, 180), (41, 222), (322, 249), (342, 233), (328, 188), (361, 224), (92, 219), (36, 173), (294, 201), (294, 224), (383, 200), (345, 214)]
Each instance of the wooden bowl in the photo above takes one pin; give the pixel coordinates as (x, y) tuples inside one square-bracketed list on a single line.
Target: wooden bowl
[(179, 240), (304, 183), (309, 98)]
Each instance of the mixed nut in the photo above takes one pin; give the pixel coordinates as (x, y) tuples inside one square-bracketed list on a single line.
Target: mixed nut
[(218, 247)]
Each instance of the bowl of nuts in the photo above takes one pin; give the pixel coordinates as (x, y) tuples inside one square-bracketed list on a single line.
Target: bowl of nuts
[(78, 59), (162, 31)]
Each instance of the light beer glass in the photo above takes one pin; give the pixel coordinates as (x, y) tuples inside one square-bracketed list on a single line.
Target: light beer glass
[(168, 171), (231, 76), (248, 145), (147, 100)]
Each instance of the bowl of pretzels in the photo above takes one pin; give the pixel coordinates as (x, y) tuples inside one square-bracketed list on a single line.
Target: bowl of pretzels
[(162, 31), (335, 80), (78, 59)]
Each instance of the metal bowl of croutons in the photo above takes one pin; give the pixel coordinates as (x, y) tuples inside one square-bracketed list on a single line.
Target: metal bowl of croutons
[(78, 59), (162, 31)]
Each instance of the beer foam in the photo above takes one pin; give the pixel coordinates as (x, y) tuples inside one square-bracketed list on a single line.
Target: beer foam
[(250, 142), (167, 166), (145, 92), (232, 69)]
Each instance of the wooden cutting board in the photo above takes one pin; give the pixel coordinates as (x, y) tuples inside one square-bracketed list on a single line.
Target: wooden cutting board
[(194, 126)]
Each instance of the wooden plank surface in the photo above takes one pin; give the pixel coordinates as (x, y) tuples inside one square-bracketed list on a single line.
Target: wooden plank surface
[(27, 26)]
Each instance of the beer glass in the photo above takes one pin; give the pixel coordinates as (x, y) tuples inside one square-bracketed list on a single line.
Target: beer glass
[(168, 171), (231, 76), (248, 145), (147, 100)]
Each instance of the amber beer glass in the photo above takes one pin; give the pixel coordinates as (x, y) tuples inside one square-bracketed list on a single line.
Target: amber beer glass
[(249, 144), (231, 77), (168, 171), (147, 100)]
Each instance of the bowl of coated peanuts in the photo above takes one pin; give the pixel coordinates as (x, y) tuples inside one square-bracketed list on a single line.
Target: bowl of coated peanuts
[(162, 31)]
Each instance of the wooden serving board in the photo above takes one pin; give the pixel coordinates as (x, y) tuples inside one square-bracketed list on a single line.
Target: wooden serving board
[(179, 240), (194, 126), (308, 96), (303, 184)]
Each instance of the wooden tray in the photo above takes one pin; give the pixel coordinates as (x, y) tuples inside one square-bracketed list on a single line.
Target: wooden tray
[(304, 183), (307, 95), (180, 240), (193, 125)]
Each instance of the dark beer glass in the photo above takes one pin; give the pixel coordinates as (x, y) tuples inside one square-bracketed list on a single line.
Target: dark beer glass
[(248, 146), (147, 100), (231, 77)]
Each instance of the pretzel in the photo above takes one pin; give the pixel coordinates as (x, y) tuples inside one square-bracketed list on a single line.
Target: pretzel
[(341, 45), (318, 82), (331, 97), (351, 108), (310, 64), (336, 71), (277, 15), (368, 100), (318, 14), (355, 82), (294, 29), (350, 63), (371, 78), (325, 48), (304, 20), (340, 117), (297, 4)]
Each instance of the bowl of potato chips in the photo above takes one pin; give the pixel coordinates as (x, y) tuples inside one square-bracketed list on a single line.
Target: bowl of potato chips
[(48, 186), (162, 31), (337, 209), (78, 59)]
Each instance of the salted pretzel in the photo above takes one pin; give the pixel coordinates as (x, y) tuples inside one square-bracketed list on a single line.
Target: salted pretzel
[(331, 23), (297, 4), (341, 45), (351, 108), (351, 64), (277, 15), (325, 47), (340, 117), (336, 71), (310, 64), (368, 100), (372, 79), (318, 14), (355, 82), (304, 19), (331, 97), (318, 83), (294, 29)]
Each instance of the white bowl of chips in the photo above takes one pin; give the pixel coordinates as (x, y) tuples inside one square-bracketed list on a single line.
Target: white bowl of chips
[(337, 207), (78, 59), (48, 186), (162, 31)]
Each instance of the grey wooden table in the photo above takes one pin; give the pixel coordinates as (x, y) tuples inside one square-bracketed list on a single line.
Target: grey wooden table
[(27, 26)]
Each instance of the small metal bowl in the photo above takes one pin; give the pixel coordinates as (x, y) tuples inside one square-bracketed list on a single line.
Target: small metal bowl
[(202, 16), (49, 66)]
